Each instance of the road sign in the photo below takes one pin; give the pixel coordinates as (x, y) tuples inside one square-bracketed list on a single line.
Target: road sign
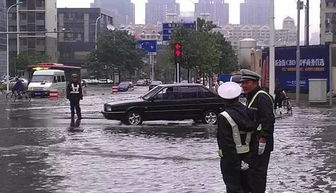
[(148, 45), (168, 28)]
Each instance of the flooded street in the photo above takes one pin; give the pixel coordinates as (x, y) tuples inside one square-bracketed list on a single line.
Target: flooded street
[(39, 154)]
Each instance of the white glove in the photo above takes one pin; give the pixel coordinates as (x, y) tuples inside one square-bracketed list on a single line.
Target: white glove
[(261, 148), (244, 166), (220, 153)]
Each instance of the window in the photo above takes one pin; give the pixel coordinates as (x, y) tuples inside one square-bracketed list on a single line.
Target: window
[(59, 79), (188, 92), (63, 78), (39, 3), (40, 41), (205, 93), (40, 16), (23, 16), (31, 17), (23, 41), (31, 42), (23, 28), (168, 93)]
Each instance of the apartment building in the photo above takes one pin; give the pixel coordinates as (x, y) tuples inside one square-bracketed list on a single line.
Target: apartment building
[(159, 11), (216, 11), (328, 21)]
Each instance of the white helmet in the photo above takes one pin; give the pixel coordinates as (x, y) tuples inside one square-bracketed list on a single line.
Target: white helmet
[(229, 90)]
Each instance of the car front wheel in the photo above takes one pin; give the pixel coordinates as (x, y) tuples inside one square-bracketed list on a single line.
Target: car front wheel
[(133, 118), (210, 117)]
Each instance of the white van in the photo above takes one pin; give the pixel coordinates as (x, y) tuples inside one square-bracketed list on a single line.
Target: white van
[(43, 81)]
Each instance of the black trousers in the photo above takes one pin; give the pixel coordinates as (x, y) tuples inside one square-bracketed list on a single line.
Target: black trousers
[(235, 179), (74, 105), (258, 172)]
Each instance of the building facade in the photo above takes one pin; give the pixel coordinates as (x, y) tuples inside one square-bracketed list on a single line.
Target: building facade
[(283, 37), (328, 21), (255, 12), (35, 17), (217, 11), (75, 47), (159, 11), (123, 11), (3, 39)]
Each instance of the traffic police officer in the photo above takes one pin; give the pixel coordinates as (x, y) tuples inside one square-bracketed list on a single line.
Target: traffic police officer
[(262, 140), (235, 127), (74, 94)]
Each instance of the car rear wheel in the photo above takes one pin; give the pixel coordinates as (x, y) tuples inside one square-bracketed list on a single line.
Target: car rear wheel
[(210, 117), (133, 118)]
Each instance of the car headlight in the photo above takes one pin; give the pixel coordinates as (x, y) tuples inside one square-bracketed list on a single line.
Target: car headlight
[(108, 108), (30, 88)]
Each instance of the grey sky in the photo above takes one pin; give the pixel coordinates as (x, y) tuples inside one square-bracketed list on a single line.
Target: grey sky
[(283, 8)]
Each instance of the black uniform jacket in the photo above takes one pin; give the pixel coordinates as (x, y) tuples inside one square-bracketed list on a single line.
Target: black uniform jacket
[(74, 96), (243, 118), (262, 107)]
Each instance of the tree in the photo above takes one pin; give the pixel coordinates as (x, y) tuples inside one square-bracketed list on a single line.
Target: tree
[(24, 59), (116, 49)]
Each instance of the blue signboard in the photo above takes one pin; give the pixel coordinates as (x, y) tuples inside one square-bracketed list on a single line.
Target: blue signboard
[(168, 28), (148, 45), (314, 64)]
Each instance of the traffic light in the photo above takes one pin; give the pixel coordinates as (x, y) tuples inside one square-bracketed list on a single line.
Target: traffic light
[(178, 50)]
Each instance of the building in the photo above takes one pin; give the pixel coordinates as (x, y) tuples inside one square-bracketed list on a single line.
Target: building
[(283, 37), (159, 11), (74, 47), (36, 17), (3, 39), (123, 11), (255, 12), (217, 11), (328, 21)]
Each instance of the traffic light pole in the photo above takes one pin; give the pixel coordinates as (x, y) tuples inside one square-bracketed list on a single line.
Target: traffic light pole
[(177, 72)]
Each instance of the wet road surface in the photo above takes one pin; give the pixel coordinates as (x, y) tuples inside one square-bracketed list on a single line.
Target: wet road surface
[(39, 154)]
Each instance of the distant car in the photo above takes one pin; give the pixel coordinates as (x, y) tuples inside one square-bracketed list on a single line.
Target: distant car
[(141, 82), (168, 102), (154, 83), (125, 86)]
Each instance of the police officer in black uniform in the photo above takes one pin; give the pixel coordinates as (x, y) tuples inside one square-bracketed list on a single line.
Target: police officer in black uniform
[(262, 140), (74, 94), (235, 127)]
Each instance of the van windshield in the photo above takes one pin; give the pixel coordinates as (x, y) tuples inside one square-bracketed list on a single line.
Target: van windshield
[(42, 78)]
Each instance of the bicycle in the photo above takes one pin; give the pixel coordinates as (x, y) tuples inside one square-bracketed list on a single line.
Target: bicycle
[(14, 95), (287, 105)]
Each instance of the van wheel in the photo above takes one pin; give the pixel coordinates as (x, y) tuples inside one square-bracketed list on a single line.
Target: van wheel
[(133, 118), (210, 117)]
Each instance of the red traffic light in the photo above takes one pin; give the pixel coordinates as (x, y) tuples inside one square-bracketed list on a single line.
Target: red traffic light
[(178, 49)]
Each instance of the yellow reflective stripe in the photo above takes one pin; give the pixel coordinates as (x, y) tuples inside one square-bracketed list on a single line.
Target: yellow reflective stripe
[(255, 96), (236, 135), (220, 153)]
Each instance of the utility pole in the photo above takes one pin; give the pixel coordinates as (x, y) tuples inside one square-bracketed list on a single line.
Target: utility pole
[(297, 94), (272, 50), (307, 24)]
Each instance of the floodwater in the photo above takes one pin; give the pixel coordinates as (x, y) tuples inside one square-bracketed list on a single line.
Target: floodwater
[(39, 154)]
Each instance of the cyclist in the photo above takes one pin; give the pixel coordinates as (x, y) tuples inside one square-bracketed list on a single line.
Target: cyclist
[(18, 87)]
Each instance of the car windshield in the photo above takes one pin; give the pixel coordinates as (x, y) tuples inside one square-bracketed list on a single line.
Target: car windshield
[(42, 78), (124, 84), (151, 93)]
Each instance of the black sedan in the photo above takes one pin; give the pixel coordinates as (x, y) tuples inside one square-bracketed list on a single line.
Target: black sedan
[(168, 102), (125, 86)]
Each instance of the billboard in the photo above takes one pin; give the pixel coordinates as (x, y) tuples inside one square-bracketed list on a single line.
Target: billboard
[(314, 64)]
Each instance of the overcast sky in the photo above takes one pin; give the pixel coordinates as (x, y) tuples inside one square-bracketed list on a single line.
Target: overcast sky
[(283, 8)]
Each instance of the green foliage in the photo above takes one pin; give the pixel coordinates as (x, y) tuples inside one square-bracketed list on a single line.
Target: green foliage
[(116, 50), (203, 50), (23, 60)]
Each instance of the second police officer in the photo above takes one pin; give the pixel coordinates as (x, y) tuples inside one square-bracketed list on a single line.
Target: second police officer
[(74, 94), (261, 103)]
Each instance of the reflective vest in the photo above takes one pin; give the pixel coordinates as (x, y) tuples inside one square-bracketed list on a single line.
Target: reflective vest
[(75, 89), (252, 100), (240, 148)]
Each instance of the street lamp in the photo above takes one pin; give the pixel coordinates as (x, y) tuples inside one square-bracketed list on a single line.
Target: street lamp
[(96, 30), (7, 74)]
